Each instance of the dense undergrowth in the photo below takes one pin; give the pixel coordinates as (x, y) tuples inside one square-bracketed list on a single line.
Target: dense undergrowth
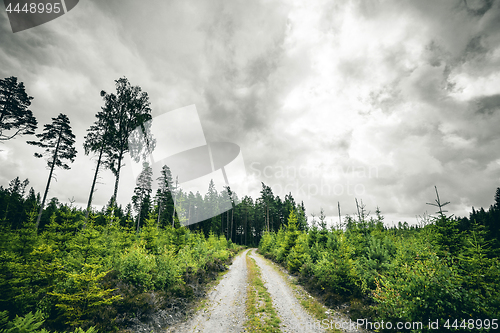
[(86, 277), (441, 271)]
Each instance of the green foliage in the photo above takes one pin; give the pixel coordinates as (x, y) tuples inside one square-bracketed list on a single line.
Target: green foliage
[(30, 323), (82, 297), (136, 266), (299, 254), (426, 288), (435, 272), (15, 117)]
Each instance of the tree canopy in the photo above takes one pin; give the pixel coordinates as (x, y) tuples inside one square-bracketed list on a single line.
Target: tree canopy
[(15, 117)]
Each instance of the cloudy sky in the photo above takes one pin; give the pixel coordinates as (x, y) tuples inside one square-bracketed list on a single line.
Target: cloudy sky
[(331, 100)]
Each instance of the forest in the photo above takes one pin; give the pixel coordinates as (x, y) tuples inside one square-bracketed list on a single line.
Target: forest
[(65, 268)]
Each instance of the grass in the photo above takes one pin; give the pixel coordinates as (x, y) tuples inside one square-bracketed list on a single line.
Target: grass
[(261, 315)]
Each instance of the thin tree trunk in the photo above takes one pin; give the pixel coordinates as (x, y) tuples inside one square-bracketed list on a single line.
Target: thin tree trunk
[(89, 203), (115, 193), (48, 181), (267, 218), (159, 213), (340, 220), (357, 206), (139, 218)]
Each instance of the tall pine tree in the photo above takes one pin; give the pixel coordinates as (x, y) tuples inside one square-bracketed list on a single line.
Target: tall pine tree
[(164, 196), (58, 141), (97, 141), (142, 194), (128, 109)]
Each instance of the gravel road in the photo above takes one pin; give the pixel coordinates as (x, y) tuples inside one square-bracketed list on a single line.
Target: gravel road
[(293, 317), (225, 309)]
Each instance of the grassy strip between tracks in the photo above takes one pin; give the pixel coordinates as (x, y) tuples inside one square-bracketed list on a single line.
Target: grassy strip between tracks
[(261, 315), (317, 310)]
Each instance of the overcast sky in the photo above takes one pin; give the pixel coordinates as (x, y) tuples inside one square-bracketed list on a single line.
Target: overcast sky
[(331, 100)]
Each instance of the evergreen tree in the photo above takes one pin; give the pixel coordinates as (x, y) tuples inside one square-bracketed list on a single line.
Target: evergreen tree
[(142, 194), (212, 208), (128, 109), (302, 217), (164, 196), (267, 200), (14, 113), (97, 141), (58, 141), (14, 211)]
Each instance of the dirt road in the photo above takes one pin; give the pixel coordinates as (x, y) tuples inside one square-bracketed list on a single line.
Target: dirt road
[(225, 308)]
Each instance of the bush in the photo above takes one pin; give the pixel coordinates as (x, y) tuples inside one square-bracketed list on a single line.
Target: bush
[(426, 289), (136, 266)]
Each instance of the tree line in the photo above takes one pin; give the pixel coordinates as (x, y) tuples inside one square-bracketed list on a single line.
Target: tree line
[(108, 139)]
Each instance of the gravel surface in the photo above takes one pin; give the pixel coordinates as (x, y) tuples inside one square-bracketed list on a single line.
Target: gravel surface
[(336, 318), (225, 311), (293, 317)]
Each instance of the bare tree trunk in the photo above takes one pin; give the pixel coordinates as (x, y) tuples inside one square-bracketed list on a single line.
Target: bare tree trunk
[(89, 203), (267, 218), (227, 225), (357, 206), (139, 218), (340, 220), (48, 181), (159, 213), (115, 193)]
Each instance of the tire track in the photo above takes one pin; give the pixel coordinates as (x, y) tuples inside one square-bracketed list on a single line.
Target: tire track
[(293, 317), (225, 311)]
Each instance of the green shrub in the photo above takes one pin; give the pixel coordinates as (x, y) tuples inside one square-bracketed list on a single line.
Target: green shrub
[(298, 256), (136, 266), (168, 273), (425, 289), (83, 296)]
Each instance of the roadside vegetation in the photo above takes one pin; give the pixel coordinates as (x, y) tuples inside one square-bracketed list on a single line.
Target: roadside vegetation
[(445, 269), (104, 276)]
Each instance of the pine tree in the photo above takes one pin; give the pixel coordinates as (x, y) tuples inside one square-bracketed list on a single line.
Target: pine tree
[(14, 113), (142, 194), (14, 212), (163, 194), (97, 141), (212, 206), (267, 200), (497, 198), (58, 141), (128, 110)]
